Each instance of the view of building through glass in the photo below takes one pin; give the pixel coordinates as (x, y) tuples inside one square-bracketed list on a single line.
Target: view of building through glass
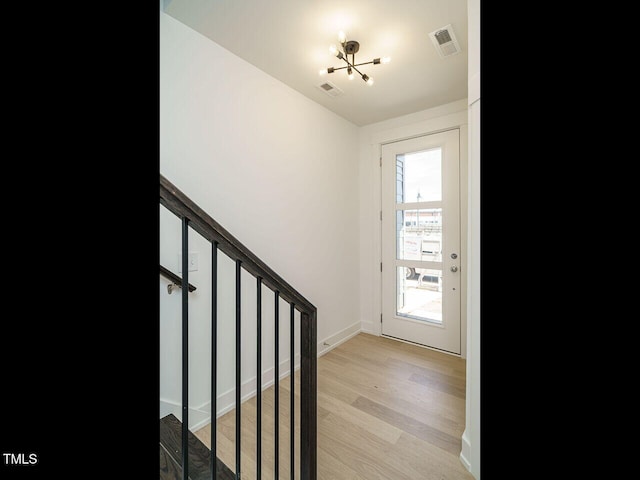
[(419, 234)]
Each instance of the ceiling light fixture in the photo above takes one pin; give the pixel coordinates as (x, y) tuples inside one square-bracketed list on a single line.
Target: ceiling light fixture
[(351, 47)]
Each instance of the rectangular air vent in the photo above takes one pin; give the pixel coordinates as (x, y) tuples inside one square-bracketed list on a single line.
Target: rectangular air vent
[(444, 39), (330, 89)]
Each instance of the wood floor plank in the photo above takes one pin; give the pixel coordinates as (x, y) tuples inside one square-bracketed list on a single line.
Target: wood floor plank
[(417, 355), (413, 354), (355, 447), (429, 459), (351, 414), (364, 357), (328, 385), (436, 380), (409, 424), (444, 387), (373, 376), (334, 469), (386, 410), (373, 458), (434, 374), (396, 393)]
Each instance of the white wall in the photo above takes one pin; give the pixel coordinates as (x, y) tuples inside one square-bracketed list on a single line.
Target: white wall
[(370, 139), (470, 454), (280, 173)]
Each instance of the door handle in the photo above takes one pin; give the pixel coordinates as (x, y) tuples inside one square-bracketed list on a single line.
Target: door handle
[(454, 269)]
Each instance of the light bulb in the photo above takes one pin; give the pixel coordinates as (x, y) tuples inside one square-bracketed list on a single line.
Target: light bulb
[(386, 59), (323, 71), (350, 73), (333, 50), (370, 81), (342, 37)]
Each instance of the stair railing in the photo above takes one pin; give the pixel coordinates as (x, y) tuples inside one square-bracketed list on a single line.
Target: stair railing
[(193, 216)]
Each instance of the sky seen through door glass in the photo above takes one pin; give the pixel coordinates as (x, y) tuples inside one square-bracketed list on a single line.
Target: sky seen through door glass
[(423, 174)]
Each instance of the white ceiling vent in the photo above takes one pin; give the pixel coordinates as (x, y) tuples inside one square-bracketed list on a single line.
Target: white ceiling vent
[(330, 89), (445, 41)]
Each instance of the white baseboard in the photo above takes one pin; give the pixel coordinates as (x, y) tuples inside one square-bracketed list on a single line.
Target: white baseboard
[(197, 417), (226, 401), (466, 448), (336, 339)]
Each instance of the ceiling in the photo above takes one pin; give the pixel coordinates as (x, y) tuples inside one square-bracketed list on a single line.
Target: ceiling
[(289, 40)]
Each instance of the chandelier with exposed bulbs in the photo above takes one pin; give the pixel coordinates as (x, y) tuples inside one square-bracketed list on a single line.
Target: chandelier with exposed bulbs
[(351, 47)]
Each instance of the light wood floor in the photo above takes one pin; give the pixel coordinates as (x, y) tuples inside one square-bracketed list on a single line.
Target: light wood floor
[(386, 410)]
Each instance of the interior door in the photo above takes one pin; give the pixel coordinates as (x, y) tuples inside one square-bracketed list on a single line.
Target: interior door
[(421, 240)]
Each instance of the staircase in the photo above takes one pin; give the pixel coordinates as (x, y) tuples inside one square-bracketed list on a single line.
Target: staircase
[(199, 454), (182, 455)]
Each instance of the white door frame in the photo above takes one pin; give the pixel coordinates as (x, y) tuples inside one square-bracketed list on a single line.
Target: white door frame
[(405, 132), (444, 335)]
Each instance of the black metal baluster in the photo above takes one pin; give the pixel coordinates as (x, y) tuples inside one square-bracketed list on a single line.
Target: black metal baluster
[(214, 356), (276, 387), (238, 371), (291, 376), (259, 381), (308, 398), (185, 348)]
